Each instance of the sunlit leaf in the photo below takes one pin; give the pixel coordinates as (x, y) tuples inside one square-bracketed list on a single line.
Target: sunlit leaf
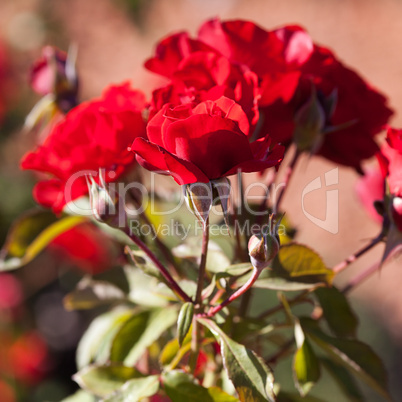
[(184, 321), (352, 354), (80, 396), (91, 293), (136, 334), (337, 311), (298, 261), (31, 234), (306, 367), (250, 376), (135, 390), (182, 387), (103, 380)]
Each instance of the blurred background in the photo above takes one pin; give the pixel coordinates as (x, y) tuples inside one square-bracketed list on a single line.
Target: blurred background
[(114, 38)]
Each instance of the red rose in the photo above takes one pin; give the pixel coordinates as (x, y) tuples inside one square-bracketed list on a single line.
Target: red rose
[(198, 73), (202, 143), (372, 187), (171, 51), (289, 65), (92, 136)]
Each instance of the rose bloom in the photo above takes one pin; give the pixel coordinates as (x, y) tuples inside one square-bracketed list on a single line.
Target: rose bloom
[(200, 143), (198, 73), (372, 186), (94, 135), (289, 65)]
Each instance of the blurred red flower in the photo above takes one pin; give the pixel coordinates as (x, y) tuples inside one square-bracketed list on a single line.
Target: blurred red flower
[(92, 136), (372, 186), (290, 66), (10, 291), (87, 247), (203, 142)]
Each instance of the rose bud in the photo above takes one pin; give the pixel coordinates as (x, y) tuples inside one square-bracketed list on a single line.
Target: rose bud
[(105, 207), (309, 124), (263, 251)]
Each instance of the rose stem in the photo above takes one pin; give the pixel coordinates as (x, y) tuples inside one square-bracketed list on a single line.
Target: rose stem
[(281, 352), (360, 278), (165, 273), (195, 338), (345, 263), (203, 262), (213, 310), (288, 174), (160, 244)]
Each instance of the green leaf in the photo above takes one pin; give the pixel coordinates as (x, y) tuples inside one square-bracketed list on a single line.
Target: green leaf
[(182, 387), (345, 381), (143, 288), (298, 261), (135, 390), (103, 380), (306, 367), (184, 321), (354, 355), (337, 312), (250, 376), (271, 280), (217, 261), (31, 234), (139, 332), (95, 344), (90, 293), (143, 262), (80, 396)]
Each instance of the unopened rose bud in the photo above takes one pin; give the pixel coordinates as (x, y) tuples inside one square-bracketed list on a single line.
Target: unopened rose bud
[(199, 199), (309, 124), (105, 208), (263, 250)]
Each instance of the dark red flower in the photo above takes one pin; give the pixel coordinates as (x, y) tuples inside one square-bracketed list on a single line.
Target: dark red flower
[(203, 142), (198, 73), (86, 247), (171, 51), (290, 66), (92, 136)]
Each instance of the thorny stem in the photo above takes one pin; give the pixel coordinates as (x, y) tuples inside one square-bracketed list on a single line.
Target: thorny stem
[(360, 278), (165, 273), (213, 310), (345, 263), (203, 262), (288, 174), (195, 338)]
